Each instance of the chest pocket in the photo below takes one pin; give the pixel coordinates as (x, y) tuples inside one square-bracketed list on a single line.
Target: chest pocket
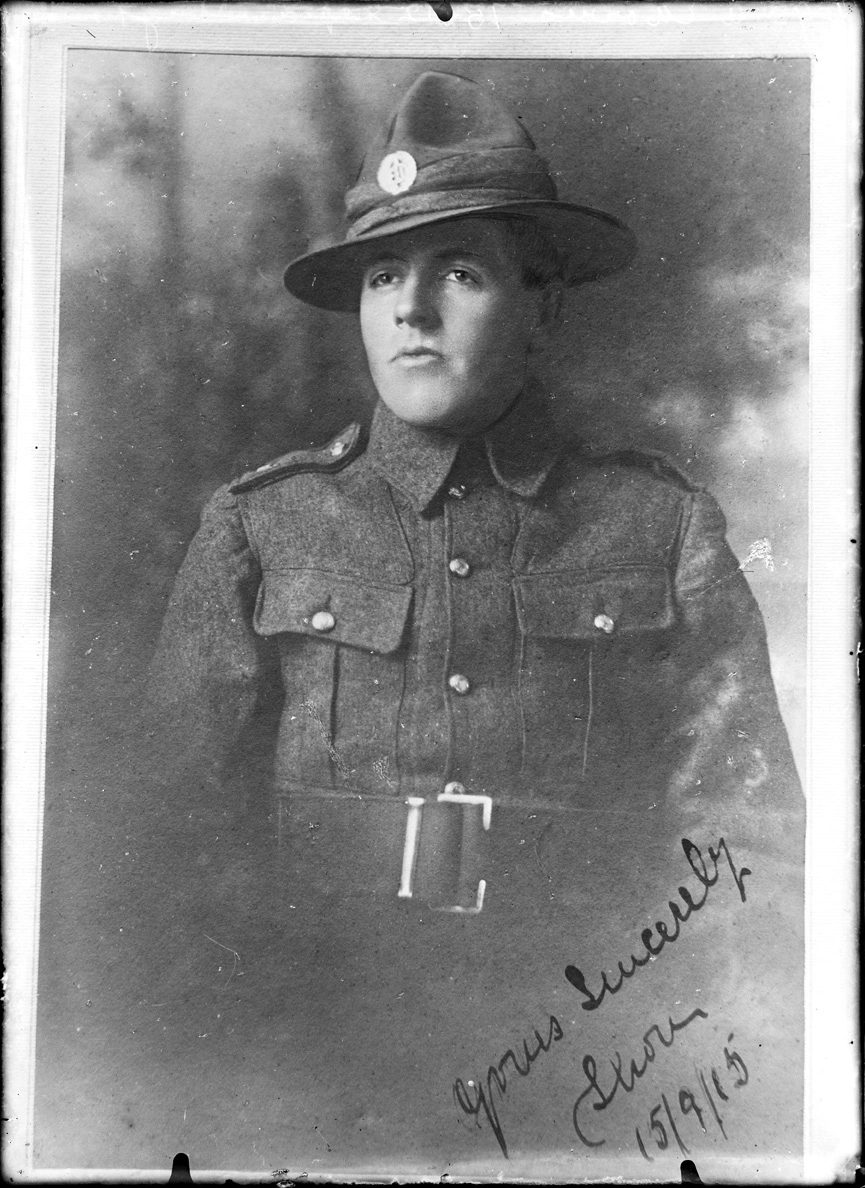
[(595, 604), (332, 607)]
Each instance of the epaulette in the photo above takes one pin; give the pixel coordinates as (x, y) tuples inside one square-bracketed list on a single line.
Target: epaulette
[(326, 459), (656, 462)]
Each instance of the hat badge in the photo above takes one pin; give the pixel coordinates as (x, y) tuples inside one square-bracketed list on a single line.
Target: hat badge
[(397, 172)]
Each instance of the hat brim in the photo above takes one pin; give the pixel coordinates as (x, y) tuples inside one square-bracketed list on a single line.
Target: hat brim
[(594, 243)]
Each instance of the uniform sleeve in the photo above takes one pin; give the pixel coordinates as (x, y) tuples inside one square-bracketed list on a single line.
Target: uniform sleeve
[(197, 767), (735, 773), (735, 795), (207, 675), (213, 693), (211, 710)]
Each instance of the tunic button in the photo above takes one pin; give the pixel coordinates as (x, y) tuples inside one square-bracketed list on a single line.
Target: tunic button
[(604, 623), (460, 567), (323, 621), (458, 491), (337, 448), (455, 788), (459, 683)]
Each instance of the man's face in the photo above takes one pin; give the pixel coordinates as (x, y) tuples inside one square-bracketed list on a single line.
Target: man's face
[(446, 323)]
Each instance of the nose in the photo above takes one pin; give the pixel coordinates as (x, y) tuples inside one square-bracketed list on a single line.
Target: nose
[(415, 303)]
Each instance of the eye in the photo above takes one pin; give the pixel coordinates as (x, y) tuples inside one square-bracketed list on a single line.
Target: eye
[(378, 278), (463, 276)]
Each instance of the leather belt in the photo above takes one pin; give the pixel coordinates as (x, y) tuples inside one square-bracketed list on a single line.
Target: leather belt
[(437, 851)]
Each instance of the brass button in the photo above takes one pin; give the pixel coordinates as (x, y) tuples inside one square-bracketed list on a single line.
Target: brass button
[(458, 491), (459, 566), (323, 621), (337, 448), (455, 788), (459, 683), (604, 623)]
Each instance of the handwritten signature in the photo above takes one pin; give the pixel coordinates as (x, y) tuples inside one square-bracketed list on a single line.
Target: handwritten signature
[(622, 1080), (496, 1078), (476, 1098), (666, 937)]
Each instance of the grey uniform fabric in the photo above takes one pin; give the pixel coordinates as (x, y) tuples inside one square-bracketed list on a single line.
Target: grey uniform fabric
[(617, 709), (613, 655)]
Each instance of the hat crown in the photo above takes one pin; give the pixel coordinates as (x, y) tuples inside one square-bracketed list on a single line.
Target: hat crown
[(446, 111), (449, 145)]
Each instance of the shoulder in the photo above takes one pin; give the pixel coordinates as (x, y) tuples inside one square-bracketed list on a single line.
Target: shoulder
[(623, 497), (641, 484), (651, 473), (338, 453)]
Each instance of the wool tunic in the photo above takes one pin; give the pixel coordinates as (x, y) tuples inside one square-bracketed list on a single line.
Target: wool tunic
[(564, 639)]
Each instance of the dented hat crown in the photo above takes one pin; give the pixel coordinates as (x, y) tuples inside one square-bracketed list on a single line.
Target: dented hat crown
[(451, 150)]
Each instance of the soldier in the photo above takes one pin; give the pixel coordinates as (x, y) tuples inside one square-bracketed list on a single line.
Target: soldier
[(474, 682)]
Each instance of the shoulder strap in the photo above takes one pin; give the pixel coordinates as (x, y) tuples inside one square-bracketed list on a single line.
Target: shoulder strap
[(656, 462), (326, 459)]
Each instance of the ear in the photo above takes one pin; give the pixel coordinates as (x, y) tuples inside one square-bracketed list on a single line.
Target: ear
[(549, 309)]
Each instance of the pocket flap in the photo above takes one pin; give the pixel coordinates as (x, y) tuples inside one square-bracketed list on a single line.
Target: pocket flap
[(567, 605), (334, 607)]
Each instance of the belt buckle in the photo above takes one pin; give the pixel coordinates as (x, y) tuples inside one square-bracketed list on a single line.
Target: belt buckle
[(412, 843), (410, 846)]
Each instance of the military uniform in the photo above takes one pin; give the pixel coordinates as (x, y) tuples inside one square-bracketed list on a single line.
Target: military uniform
[(508, 619)]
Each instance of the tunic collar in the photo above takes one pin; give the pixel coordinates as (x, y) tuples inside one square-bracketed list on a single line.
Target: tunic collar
[(521, 448)]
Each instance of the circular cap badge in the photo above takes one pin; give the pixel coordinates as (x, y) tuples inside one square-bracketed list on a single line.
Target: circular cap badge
[(397, 172)]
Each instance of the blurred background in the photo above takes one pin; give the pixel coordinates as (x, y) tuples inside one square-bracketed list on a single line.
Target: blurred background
[(190, 181)]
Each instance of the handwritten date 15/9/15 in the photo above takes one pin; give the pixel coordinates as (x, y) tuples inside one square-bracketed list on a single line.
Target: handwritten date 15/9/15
[(700, 1106)]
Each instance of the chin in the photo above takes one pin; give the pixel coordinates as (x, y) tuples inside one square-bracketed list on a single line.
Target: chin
[(426, 411)]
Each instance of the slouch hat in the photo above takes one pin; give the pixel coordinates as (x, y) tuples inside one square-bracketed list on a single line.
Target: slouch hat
[(452, 150)]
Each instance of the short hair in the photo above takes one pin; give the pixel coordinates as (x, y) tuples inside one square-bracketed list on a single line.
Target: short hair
[(539, 260)]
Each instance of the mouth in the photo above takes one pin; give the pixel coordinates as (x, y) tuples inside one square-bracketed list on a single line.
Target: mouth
[(418, 353)]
